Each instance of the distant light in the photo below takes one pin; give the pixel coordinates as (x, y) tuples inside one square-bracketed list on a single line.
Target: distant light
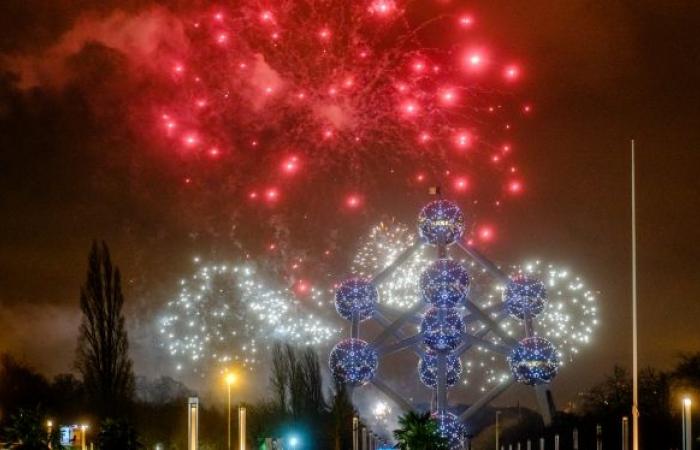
[(382, 7), (293, 441), (461, 184), (485, 233), (466, 20), (511, 72), (687, 401), (324, 34), (353, 201)]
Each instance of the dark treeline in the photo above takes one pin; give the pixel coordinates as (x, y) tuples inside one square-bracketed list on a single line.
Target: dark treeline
[(124, 413), (157, 412), (660, 398)]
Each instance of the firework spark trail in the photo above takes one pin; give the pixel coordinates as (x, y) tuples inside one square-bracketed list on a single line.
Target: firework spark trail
[(345, 87), (568, 320), (224, 314)]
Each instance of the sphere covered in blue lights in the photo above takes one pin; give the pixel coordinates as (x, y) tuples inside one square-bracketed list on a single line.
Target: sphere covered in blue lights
[(525, 297), (441, 222), (428, 369), (353, 362), (445, 283), (450, 427), (356, 295), (534, 361), (442, 328)]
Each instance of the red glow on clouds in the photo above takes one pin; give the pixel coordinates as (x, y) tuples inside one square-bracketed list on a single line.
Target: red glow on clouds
[(515, 187), (222, 38), (382, 7), (466, 20), (418, 66), (272, 195), (410, 108), (290, 166), (460, 184), (462, 139), (267, 17), (424, 137), (486, 233), (353, 201), (475, 60), (190, 140), (324, 34), (302, 287), (448, 96), (511, 72), (420, 177)]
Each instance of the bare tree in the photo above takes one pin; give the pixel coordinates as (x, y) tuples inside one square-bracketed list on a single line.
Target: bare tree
[(103, 346), (280, 376)]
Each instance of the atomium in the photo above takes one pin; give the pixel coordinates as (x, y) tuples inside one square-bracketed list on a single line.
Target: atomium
[(456, 318), (353, 362), (442, 328), (445, 283), (356, 296), (441, 222), (525, 297), (428, 369), (450, 427), (534, 361)]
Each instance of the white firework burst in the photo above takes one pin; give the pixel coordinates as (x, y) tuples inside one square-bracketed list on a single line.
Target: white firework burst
[(224, 314)]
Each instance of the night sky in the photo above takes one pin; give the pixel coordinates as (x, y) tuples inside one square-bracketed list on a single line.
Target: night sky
[(598, 73)]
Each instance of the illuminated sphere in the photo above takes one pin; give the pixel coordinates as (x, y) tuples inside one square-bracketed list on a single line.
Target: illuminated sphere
[(356, 295), (525, 296), (534, 361), (441, 222), (353, 362), (450, 427), (442, 328), (428, 369), (445, 283)]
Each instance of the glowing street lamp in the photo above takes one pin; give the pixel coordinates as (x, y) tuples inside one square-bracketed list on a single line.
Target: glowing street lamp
[(293, 441), (49, 428), (230, 379), (84, 428), (687, 432)]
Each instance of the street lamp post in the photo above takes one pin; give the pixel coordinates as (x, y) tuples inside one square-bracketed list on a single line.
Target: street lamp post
[(84, 428), (49, 428), (498, 429), (230, 379), (687, 429)]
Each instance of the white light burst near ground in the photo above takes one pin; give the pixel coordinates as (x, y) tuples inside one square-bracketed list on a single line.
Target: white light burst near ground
[(225, 315), (568, 321)]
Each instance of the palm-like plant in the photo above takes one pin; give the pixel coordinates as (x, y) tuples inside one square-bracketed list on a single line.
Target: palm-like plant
[(419, 432)]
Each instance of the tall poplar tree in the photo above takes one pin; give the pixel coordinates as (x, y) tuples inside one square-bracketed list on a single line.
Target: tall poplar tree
[(103, 346)]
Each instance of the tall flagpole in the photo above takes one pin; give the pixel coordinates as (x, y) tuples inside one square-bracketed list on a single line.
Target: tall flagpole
[(635, 404)]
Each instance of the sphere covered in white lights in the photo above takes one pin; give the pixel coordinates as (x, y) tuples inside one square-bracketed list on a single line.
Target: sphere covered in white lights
[(442, 328), (534, 361), (356, 295), (525, 297), (441, 222), (450, 427), (444, 283), (353, 362), (428, 369)]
